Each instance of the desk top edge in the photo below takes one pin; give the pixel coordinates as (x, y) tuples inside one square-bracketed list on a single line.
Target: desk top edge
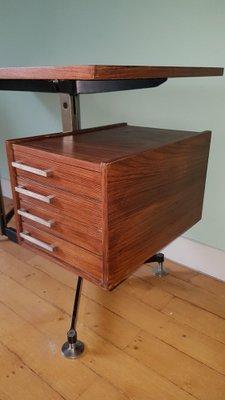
[(106, 72)]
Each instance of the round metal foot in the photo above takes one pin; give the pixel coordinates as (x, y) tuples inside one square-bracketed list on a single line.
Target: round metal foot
[(159, 270), (72, 350)]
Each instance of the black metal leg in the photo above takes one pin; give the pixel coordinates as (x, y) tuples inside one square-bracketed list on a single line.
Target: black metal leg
[(159, 270), (2, 213), (9, 215), (4, 219), (73, 348)]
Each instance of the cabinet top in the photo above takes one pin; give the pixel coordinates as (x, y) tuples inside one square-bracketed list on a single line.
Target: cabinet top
[(89, 148), (106, 72)]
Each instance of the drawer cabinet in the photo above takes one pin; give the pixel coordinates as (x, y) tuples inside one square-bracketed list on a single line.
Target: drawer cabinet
[(101, 202)]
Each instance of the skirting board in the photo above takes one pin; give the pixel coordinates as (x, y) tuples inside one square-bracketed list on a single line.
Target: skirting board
[(184, 251), (197, 256), (6, 188)]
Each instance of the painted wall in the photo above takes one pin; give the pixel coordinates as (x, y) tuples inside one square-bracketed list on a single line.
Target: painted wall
[(160, 32)]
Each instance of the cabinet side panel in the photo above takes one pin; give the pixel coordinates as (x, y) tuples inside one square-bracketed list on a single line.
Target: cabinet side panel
[(152, 199), (105, 228), (13, 182)]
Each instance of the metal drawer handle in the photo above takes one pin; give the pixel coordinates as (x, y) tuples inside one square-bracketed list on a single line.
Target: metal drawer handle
[(34, 218), (18, 164), (43, 245), (45, 199)]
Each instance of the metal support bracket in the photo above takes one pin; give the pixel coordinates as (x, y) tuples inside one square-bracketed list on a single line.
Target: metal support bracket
[(74, 87), (70, 112), (159, 270)]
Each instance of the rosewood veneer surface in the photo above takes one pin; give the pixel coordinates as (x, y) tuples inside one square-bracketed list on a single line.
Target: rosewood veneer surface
[(121, 193), (106, 72)]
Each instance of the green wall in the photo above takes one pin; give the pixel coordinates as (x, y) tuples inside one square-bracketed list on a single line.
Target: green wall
[(160, 32)]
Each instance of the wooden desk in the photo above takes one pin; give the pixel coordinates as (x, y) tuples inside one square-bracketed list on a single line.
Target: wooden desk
[(136, 188), (70, 81)]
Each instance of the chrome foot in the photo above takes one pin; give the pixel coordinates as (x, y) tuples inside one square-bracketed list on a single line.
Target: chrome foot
[(73, 348), (159, 270)]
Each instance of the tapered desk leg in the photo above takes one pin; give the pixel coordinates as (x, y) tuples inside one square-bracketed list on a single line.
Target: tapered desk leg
[(2, 213), (73, 347), (70, 112)]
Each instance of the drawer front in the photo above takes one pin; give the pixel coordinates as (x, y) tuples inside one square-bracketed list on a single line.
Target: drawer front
[(82, 209), (62, 226), (75, 256), (64, 176)]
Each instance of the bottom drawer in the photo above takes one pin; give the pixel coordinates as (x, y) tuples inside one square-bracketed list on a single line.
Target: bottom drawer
[(56, 248)]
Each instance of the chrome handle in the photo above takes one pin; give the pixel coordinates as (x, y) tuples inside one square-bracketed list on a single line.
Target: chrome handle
[(34, 218), (18, 164), (43, 245), (45, 199)]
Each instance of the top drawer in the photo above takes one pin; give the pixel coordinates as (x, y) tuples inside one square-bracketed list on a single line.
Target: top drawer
[(64, 176)]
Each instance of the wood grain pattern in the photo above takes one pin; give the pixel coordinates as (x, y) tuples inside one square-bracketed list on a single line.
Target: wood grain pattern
[(66, 227), (191, 375), (67, 177), (106, 72), (42, 357), (36, 297), (207, 301), (101, 146), (17, 376), (187, 340), (79, 258), (152, 199), (202, 321), (80, 208), (63, 151), (148, 190), (97, 318)]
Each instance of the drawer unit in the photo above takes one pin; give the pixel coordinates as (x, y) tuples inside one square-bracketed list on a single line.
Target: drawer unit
[(109, 198)]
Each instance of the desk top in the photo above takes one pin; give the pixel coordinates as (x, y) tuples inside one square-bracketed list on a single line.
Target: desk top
[(106, 72)]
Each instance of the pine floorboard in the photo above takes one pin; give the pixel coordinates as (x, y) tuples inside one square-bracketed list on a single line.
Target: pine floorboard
[(150, 338)]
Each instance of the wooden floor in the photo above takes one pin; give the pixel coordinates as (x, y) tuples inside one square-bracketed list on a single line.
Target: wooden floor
[(150, 338)]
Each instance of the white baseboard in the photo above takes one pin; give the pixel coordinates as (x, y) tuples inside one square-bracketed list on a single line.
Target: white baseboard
[(197, 256), (6, 188)]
